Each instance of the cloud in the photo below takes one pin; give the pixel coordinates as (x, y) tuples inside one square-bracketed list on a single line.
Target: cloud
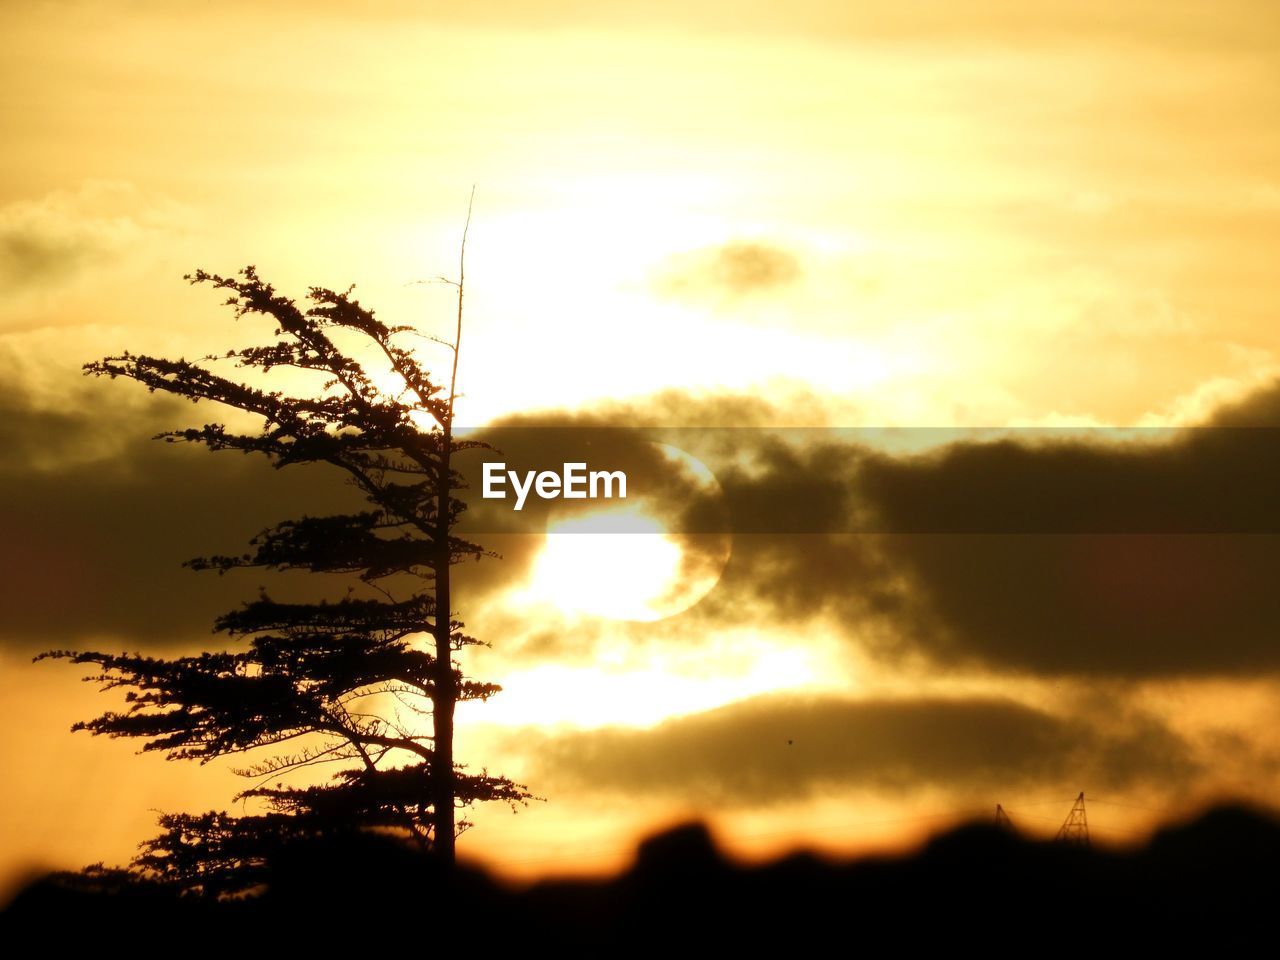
[(98, 520), (737, 269), (779, 748), (1039, 555), (34, 438), (1042, 552), (1259, 409), (1084, 558), (47, 242)]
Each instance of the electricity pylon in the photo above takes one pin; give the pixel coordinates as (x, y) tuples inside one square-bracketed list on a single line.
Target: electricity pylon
[(1075, 829), (1002, 818)]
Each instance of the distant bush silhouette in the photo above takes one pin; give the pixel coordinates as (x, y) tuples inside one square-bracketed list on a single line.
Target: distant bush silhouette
[(1208, 881), (328, 678)]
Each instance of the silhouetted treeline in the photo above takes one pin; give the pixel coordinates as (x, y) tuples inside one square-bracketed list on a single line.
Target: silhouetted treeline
[(1211, 880)]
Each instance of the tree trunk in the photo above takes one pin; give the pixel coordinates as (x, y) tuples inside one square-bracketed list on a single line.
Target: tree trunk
[(446, 692), (445, 688)]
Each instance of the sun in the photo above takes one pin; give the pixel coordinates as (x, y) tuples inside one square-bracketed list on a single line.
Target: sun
[(617, 563), (621, 562)]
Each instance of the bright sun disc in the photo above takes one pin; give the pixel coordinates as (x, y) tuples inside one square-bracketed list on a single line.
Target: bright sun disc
[(610, 563)]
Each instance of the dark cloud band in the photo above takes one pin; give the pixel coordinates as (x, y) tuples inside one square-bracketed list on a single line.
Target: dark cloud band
[(1046, 556), (781, 748)]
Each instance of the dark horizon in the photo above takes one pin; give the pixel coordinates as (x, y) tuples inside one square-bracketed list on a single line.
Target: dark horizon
[(1207, 879)]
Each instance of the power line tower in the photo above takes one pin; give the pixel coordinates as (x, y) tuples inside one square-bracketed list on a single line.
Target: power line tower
[(1075, 829), (1002, 818)]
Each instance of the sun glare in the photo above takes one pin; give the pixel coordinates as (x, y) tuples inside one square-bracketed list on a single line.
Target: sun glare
[(610, 563), (639, 685)]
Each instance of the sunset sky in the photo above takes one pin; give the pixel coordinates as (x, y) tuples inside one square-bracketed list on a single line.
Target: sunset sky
[(967, 216)]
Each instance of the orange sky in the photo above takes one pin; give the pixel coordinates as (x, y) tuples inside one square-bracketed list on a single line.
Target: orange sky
[(949, 215)]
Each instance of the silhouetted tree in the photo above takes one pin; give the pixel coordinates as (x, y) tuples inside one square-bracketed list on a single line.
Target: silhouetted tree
[(323, 677)]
